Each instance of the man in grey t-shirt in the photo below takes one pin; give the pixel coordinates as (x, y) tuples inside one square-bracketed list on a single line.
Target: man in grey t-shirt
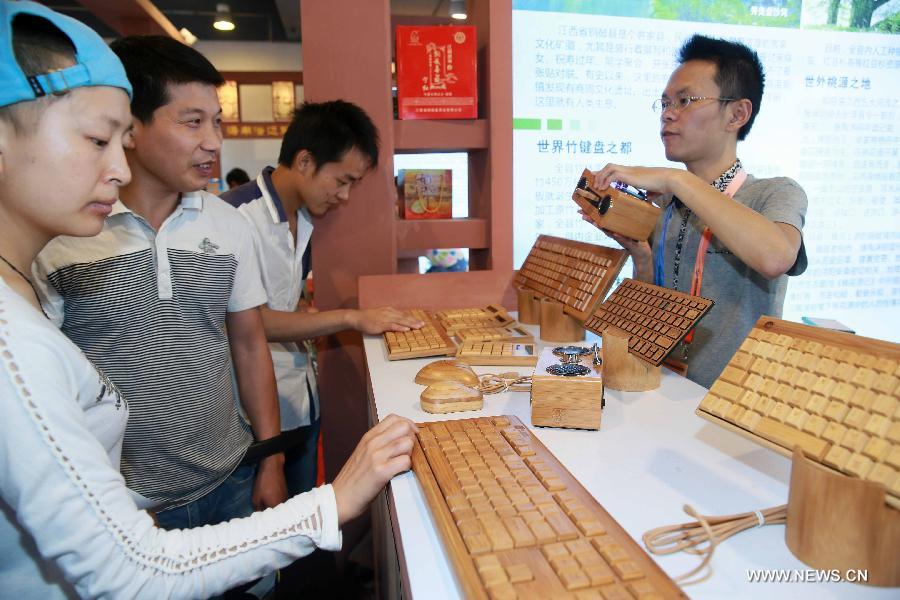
[(755, 241)]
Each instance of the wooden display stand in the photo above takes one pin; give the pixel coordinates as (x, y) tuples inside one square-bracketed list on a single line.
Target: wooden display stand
[(624, 371), (557, 326), (529, 307), (843, 523)]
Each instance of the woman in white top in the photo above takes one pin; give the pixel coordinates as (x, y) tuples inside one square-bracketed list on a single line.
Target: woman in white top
[(68, 526)]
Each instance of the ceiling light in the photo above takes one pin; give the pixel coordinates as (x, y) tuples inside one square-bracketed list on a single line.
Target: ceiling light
[(189, 38), (223, 20), (458, 9)]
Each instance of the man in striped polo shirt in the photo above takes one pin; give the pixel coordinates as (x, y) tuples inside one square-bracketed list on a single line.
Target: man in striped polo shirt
[(327, 149), (149, 299)]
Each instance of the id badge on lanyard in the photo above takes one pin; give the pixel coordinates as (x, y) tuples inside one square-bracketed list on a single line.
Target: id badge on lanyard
[(680, 365)]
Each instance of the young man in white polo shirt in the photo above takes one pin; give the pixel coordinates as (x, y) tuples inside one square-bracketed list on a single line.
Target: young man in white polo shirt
[(148, 301), (328, 147)]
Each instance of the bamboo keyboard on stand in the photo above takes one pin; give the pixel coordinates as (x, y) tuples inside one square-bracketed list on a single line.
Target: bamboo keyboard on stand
[(516, 524), (833, 394), (430, 340), (656, 318), (576, 274)]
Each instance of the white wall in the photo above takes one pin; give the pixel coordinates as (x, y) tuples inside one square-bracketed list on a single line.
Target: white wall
[(250, 155), (252, 56), (254, 154)]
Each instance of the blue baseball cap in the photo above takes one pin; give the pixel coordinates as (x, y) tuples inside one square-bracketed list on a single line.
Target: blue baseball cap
[(95, 63)]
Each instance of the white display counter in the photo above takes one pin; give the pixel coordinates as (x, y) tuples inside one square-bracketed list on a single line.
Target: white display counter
[(651, 456)]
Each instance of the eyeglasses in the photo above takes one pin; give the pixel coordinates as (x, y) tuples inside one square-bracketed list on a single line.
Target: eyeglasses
[(661, 105)]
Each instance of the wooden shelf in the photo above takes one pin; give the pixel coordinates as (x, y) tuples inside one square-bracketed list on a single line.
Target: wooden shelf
[(347, 274), (440, 135), (442, 233)]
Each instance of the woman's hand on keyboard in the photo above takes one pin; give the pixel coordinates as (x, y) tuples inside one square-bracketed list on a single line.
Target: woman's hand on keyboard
[(384, 451)]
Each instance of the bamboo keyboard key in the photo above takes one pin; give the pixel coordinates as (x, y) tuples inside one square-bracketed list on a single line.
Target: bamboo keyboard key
[(877, 449), (885, 383), (573, 578), (789, 437), (503, 591), (599, 573), (856, 418), (562, 526), (477, 543), (877, 425), (882, 474), (836, 411), (837, 457), (726, 390), (494, 576), (894, 432), (741, 361), (519, 531), (615, 592), (863, 398), (796, 418), (562, 562), (834, 432), (855, 440), (859, 465), (643, 590), (815, 425), (885, 405), (611, 551), (627, 570), (519, 573), (779, 412), (817, 404)]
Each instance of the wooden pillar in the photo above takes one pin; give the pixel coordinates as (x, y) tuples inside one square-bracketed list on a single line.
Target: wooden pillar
[(347, 55)]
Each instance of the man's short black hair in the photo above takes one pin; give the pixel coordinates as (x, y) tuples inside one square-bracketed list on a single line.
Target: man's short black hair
[(739, 72), (39, 47), (237, 176), (152, 62), (327, 130)]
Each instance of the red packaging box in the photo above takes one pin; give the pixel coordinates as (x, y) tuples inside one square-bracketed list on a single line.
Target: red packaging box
[(436, 72)]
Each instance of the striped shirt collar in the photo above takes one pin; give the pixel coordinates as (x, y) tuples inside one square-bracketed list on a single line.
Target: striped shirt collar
[(189, 201)]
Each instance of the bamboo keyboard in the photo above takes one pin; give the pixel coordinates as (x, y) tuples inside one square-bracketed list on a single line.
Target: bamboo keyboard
[(515, 522), (656, 318), (576, 274), (833, 394), (497, 353), (508, 333), (491, 316), (430, 340)]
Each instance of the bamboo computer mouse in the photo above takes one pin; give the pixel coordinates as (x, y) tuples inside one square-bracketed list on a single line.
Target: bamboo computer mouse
[(447, 370)]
